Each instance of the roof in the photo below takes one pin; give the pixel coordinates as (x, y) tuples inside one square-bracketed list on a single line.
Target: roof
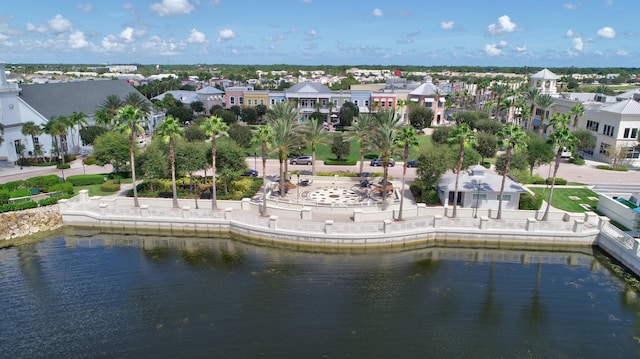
[(308, 87), (545, 74), (62, 99), (426, 89), (184, 96), (488, 182), (626, 107), (209, 90)]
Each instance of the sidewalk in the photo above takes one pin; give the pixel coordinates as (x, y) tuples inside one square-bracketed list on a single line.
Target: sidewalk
[(8, 174)]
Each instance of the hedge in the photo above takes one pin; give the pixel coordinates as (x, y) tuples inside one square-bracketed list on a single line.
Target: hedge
[(4, 196), (85, 180), (334, 162), (22, 192), (89, 161), (110, 186), (530, 202), (60, 187), (42, 181), (18, 206), (65, 166), (559, 181), (610, 168)]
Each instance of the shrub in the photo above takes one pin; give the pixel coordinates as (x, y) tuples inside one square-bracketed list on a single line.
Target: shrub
[(4, 196), (610, 168), (110, 186), (89, 161), (530, 202), (61, 166), (60, 187), (577, 161), (559, 181), (43, 181), (13, 185), (335, 162), (85, 180), (22, 192), (17, 206), (48, 201)]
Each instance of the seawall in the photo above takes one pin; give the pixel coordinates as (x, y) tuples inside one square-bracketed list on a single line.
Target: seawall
[(29, 221)]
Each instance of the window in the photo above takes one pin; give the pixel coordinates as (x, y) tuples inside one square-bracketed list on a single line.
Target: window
[(324, 102), (18, 146), (538, 112), (630, 133), (593, 125), (390, 103), (249, 101), (505, 198), (428, 104), (262, 101), (241, 100), (232, 100), (604, 149), (608, 130), (355, 102), (483, 197), (366, 103), (633, 152)]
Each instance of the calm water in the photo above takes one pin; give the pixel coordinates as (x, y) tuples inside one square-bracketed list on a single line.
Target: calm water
[(108, 297)]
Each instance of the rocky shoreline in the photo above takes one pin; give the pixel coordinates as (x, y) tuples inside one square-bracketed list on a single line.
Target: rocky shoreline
[(29, 221)]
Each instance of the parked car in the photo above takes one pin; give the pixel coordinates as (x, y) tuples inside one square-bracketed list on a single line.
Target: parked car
[(412, 163), (378, 162), (250, 173), (302, 160)]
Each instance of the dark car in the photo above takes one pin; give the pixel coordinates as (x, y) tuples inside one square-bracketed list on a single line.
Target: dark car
[(412, 163), (250, 173), (302, 160), (378, 162)]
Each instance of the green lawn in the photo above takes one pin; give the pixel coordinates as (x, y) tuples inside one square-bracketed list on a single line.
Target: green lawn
[(94, 190), (562, 201)]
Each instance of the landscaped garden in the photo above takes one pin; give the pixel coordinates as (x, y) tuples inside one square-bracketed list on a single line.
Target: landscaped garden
[(569, 199)]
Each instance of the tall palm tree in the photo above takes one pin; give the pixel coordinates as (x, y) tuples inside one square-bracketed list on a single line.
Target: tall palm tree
[(77, 120), (405, 138), (512, 137), (576, 111), (140, 102), (499, 91), (29, 128), (128, 120), (314, 134), (531, 96), (359, 130), (57, 127), (265, 136), (382, 140), (563, 140), (213, 127), (463, 136), (283, 118), (170, 130), (544, 101), (109, 110)]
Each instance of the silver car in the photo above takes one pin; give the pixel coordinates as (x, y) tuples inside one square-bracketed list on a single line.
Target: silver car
[(302, 160)]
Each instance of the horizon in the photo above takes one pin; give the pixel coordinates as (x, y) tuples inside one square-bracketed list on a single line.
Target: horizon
[(547, 34)]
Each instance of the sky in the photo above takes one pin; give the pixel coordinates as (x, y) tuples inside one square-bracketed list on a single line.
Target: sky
[(540, 33)]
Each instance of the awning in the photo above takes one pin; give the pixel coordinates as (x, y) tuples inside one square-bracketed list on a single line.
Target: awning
[(414, 99)]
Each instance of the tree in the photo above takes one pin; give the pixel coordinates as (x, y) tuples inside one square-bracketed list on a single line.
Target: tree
[(77, 120), (261, 110), (360, 132), (249, 115), (511, 137), (463, 136), (194, 133), (213, 127), (153, 161), (576, 111), (183, 114), (531, 97), (169, 130), (265, 136), (112, 148), (346, 116), (441, 135), (56, 127), (538, 152), (241, 134), (584, 140), (109, 110), (383, 137), (129, 121), (405, 138), (544, 101), (192, 157), (29, 128), (314, 134), (89, 134), (197, 106), (283, 118), (562, 140), (340, 147), (486, 145), (420, 117), (432, 164)]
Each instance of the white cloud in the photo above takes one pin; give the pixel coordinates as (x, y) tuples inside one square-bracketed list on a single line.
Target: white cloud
[(85, 7), (503, 25), (59, 24), (577, 43), (36, 28), (172, 7), (522, 48), (377, 12), (607, 32), (570, 6), (225, 34), (163, 47), (312, 33), (196, 37), (571, 33), (127, 34), (622, 53), (77, 40), (111, 44), (446, 25), (495, 49)]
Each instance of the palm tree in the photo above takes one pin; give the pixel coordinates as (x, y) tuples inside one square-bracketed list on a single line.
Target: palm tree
[(576, 110), (266, 137), (213, 127), (511, 137), (563, 140), (499, 91), (170, 130), (141, 103), (360, 131), (128, 120), (56, 127), (404, 138), (544, 101), (382, 140), (29, 128), (283, 118), (330, 107), (109, 110), (77, 120), (531, 96), (463, 136), (314, 134)]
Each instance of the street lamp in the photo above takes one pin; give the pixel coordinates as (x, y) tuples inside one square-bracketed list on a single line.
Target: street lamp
[(255, 160), (478, 198), (298, 189)]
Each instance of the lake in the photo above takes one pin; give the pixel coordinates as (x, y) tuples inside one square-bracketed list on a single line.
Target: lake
[(125, 296)]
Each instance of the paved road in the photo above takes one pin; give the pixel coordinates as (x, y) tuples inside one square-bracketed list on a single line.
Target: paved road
[(589, 174)]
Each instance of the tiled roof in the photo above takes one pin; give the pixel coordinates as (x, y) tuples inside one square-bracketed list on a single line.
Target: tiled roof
[(626, 107), (209, 90), (62, 99), (545, 74), (308, 87), (489, 182), (426, 89)]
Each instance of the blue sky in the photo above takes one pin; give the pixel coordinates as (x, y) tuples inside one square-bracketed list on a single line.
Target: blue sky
[(547, 33)]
